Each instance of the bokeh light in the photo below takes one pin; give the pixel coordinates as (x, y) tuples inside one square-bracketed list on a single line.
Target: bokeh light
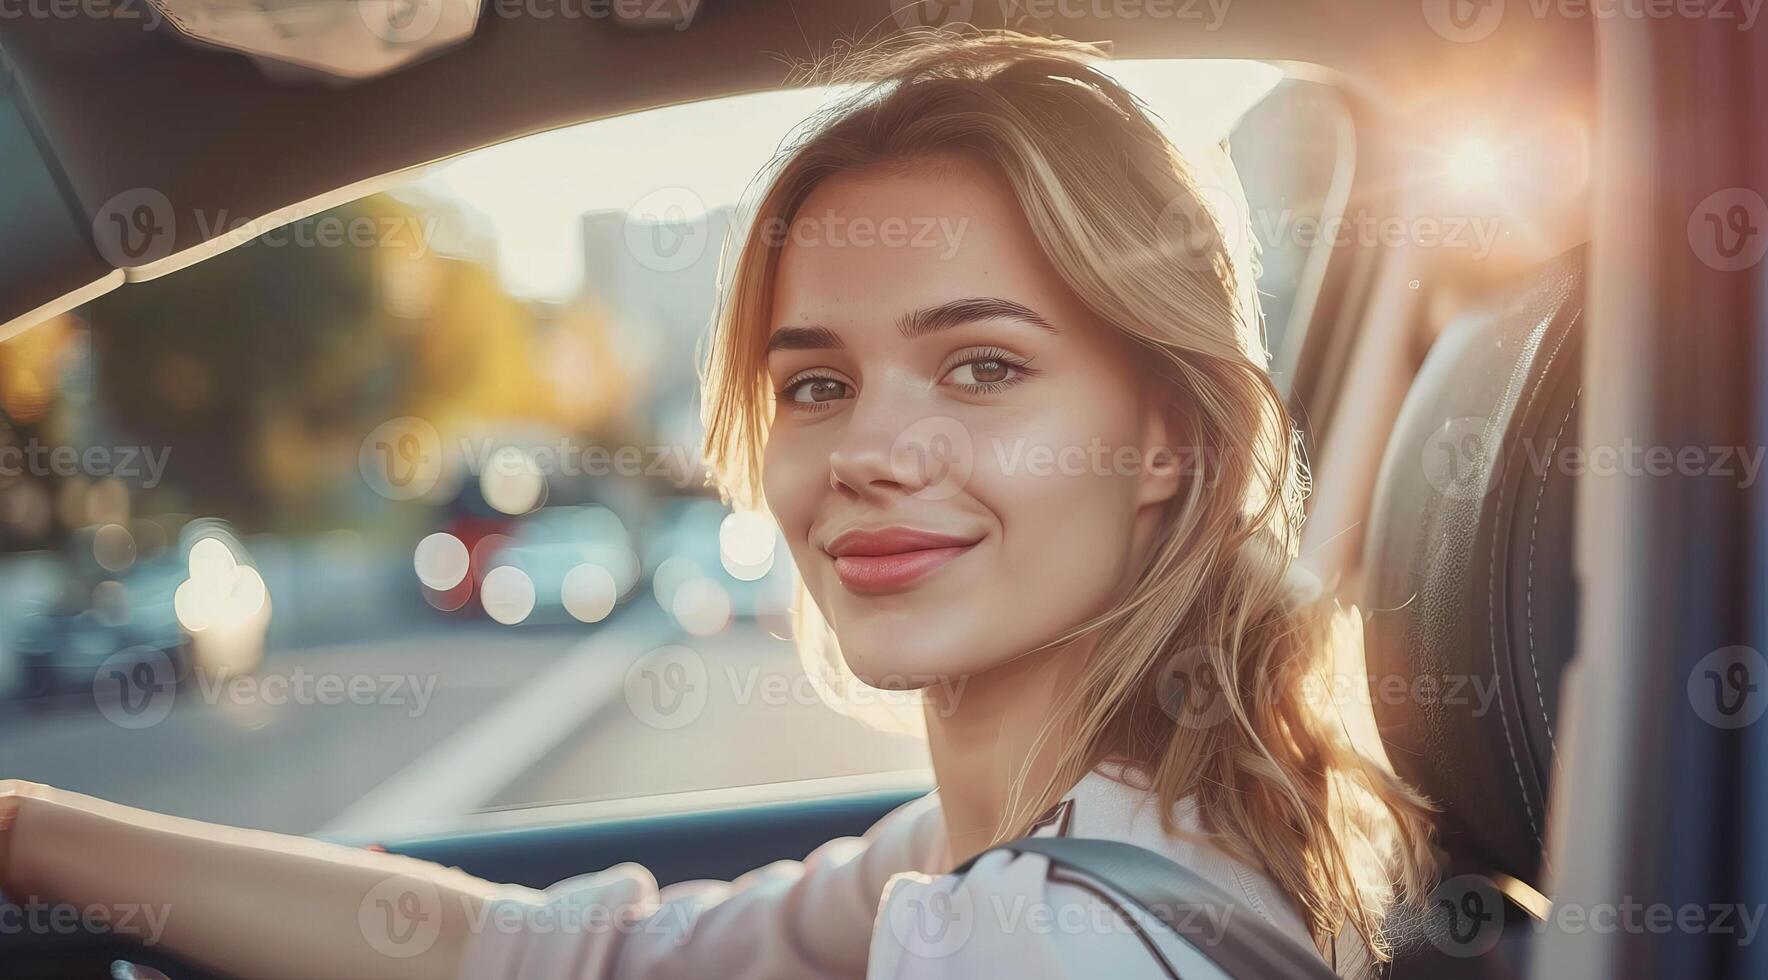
[(512, 483), (507, 594), (220, 592), (113, 547), (746, 545), (441, 561), (588, 593), (701, 606)]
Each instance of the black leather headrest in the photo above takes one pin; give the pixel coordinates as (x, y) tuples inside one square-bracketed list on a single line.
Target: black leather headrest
[(1471, 600)]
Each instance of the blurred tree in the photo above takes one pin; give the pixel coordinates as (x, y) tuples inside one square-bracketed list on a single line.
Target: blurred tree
[(265, 366), (194, 360)]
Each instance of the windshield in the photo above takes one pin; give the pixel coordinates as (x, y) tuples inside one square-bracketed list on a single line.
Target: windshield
[(393, 520)]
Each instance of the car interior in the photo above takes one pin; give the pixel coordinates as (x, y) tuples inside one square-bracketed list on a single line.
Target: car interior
[(1538, 614)]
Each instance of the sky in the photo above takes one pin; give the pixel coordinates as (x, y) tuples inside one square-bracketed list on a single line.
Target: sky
[(529, 192)]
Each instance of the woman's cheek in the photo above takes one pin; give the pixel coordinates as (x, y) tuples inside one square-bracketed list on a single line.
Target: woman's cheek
[(785, 485), (1064, 509)]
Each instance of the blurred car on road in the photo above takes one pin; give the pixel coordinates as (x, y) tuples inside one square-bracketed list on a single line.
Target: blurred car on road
[(199, 607)]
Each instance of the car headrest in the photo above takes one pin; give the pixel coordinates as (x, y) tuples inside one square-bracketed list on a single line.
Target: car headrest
[(1470, 595)]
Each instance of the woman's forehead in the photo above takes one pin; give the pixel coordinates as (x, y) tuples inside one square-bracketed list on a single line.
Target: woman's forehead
[(892, 244)]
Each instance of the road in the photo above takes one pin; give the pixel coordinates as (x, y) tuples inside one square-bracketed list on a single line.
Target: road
[(405, 735)]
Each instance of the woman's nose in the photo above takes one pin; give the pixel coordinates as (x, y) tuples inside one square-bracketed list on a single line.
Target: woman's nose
[(894, 444)]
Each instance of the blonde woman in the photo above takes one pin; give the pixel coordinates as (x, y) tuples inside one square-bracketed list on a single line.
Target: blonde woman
[(1047, 460)]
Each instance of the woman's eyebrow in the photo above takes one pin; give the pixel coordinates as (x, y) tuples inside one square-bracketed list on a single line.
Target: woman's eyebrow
[(917, 324), (948, 315), (803, 338)]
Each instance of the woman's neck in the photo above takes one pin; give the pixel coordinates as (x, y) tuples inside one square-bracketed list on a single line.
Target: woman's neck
[(983, 733)]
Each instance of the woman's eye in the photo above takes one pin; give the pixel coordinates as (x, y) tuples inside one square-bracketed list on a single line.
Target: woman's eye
[(984, 372), (814, 390), (987, 373)]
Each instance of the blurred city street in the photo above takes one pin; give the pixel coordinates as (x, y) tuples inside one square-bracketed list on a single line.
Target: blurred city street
[(298, 762)]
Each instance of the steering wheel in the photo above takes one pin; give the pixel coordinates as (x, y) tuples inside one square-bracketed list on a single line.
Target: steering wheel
[(80, 953)]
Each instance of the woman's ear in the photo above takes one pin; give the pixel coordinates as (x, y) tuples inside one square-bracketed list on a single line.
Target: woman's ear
[(1162, 461)]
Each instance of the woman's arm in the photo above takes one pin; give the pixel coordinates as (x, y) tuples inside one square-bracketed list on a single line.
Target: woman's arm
[(258, 904), (241, 902)]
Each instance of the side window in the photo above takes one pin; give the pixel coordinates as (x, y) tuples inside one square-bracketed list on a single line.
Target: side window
[(1293, 151)]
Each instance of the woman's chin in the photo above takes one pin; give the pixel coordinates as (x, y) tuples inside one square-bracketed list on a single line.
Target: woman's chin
[(904, 661)]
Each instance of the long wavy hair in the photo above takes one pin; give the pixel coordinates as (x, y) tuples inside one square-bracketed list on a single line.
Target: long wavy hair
[(1277, 776)]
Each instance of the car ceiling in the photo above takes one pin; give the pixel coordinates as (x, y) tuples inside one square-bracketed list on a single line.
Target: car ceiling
[(113, 108)]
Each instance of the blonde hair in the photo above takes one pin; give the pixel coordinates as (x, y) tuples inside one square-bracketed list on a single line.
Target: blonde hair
[(1278, 781)]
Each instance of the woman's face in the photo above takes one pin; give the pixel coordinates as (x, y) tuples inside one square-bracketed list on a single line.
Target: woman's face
[(960, 457)]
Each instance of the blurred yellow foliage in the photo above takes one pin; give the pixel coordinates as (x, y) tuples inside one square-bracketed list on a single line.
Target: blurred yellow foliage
[(31, 365)]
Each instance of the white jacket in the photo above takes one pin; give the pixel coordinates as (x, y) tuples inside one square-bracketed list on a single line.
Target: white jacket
[(876, 907)]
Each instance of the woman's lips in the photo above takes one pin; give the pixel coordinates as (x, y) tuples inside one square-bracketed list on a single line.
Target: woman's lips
[(874, 574), (892, 559)]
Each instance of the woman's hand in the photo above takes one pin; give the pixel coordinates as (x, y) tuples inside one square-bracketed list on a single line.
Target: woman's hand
[(13, 794)]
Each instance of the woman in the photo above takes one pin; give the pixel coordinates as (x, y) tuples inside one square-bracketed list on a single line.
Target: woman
[(1045, 459)]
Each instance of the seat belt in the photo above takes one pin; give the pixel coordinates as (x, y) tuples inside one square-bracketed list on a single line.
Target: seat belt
[(1179, 899)]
